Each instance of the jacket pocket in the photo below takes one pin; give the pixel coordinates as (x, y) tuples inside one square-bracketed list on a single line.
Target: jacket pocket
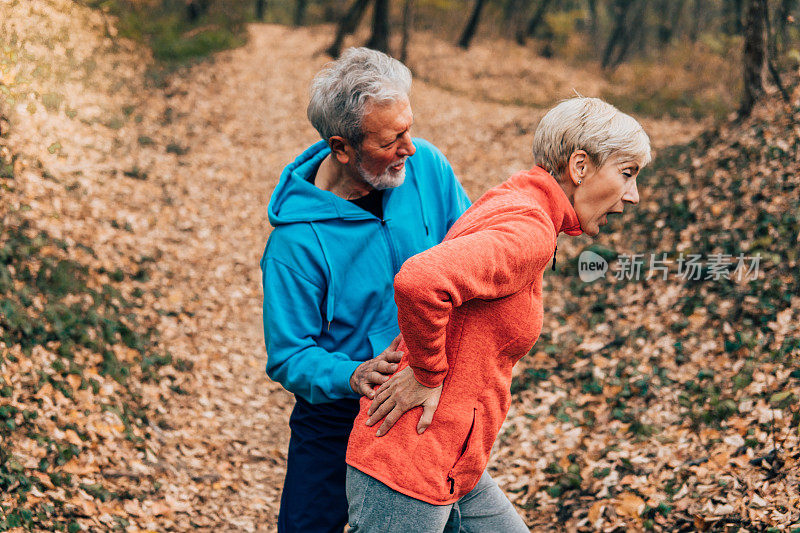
[(469, 460), (379, 339)]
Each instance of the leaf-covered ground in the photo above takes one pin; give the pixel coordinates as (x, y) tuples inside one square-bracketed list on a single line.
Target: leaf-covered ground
[(82, 373), (673, 403), (134, 217)]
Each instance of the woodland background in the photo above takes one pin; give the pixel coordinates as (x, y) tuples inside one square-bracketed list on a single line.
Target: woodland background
[(140, 141)]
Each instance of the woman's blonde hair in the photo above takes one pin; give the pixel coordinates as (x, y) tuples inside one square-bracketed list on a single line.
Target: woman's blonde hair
[(589, 124)]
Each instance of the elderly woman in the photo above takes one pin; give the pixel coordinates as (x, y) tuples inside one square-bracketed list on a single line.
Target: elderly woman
[(468, 310)]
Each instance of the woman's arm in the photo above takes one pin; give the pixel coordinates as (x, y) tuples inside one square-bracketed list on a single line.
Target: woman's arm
[(495, 261), (491, 263)]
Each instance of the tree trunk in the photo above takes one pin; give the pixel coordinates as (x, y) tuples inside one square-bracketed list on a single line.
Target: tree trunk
[(772, 55), (512, 14), (671, 15), (261, 7), (300, 12), (733, 16), (697, 14), (196, 9), (332, 12), (472, 25), (636, 34), (594, 24), (380, 27), (677, 14), (619, 13), (347, 25), (782, 18), (664, 31), (533, 23), (755, 54), (408, 23), (738, 6), (511, 11)]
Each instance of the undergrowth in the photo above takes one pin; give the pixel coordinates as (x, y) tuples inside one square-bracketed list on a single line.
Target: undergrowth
[(75, 348)]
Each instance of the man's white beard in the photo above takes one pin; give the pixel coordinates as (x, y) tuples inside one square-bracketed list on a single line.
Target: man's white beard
[(386, 180)]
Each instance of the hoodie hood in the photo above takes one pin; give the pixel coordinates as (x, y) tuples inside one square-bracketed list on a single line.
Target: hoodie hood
[(296, 199)]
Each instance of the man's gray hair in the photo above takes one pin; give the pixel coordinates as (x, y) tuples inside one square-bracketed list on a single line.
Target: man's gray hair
[(589, 124), (343, 91)]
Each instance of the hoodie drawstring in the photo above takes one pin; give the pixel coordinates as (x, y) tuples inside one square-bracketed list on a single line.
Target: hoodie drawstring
[(329, 295)]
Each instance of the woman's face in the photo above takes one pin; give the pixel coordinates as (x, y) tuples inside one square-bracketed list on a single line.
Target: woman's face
[(604, 190)]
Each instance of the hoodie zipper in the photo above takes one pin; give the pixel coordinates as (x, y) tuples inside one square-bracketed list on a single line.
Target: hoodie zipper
[(392, 251)]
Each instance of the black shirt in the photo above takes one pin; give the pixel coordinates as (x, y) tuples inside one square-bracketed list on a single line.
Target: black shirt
[(371, 202)]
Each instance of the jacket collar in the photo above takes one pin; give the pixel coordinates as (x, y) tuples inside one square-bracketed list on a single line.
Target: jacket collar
[(549, 195)]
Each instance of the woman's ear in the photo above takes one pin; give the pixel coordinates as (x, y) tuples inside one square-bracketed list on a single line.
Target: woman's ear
[(341, 149), (577, 166)]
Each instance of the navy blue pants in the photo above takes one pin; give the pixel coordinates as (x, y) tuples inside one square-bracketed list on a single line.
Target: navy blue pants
[(314, 498)]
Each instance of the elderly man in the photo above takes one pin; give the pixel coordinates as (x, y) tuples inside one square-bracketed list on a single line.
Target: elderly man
[(347, 213)]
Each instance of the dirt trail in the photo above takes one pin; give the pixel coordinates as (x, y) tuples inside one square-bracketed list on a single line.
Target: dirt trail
[(217, 137), (243, 118)]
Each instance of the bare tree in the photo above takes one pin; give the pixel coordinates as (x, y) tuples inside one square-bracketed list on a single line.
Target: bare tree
[(380, 27), (533, 23), (408, 22), (618, 41), (732, 13), (472, 25), (637, 34), (755, 54), (594, 24), (196, 9), (511, 11), (347, 25), (300, 12), (782, 15), (379, 40), (772, 55), (670, 11), (697, 17)]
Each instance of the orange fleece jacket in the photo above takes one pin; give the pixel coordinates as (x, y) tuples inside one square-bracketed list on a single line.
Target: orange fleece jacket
[(468, 308)]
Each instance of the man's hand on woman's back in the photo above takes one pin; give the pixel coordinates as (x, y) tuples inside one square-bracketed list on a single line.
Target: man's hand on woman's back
[(376, 371)]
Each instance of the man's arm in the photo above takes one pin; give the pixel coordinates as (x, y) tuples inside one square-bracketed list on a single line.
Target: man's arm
[(292, 323)]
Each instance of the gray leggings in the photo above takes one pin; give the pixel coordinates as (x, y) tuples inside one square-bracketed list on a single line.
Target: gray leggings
[(374, 507)]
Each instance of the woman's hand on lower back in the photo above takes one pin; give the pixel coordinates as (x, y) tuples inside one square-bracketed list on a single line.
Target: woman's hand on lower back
[(400, 394)]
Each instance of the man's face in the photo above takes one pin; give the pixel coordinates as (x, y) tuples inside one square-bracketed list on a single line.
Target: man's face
[(387, 143)]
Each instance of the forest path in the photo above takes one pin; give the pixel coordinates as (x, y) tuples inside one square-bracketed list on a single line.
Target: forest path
[(243, 118), (207, 149)]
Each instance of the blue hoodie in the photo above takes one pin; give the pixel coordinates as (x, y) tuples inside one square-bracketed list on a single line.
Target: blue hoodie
[(329, 265)]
